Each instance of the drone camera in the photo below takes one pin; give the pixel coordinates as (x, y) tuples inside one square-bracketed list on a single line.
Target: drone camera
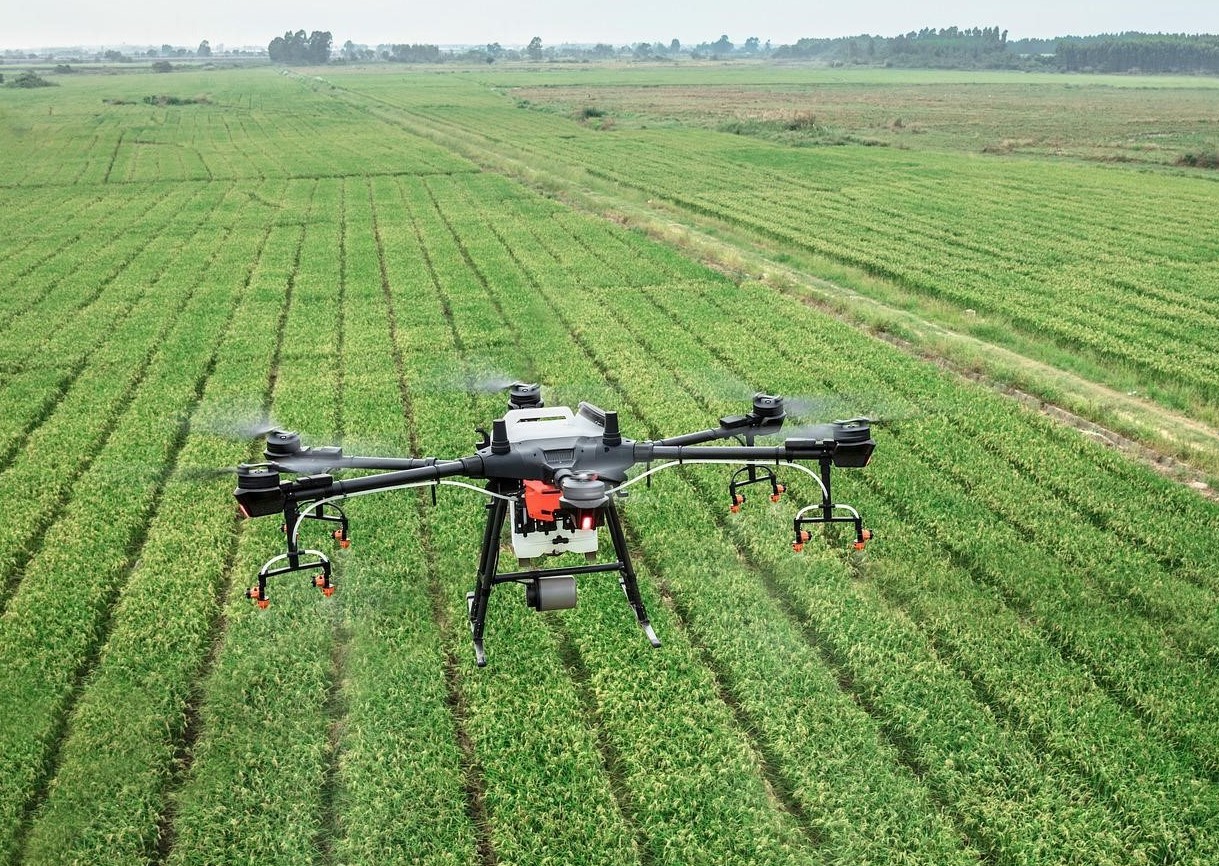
[(258, 493), (556, 592)]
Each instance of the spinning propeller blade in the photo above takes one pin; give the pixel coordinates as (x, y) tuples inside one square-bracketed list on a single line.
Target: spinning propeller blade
[(807, 413)]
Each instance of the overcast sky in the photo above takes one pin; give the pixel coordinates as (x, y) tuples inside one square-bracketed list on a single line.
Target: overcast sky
[(49, 23)]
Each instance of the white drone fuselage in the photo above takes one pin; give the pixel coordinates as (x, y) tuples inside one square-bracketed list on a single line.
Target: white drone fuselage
[(555, 430)]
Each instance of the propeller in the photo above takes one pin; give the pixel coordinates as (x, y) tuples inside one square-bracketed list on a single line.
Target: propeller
[(237, 420), (492, 383), (807, 413)]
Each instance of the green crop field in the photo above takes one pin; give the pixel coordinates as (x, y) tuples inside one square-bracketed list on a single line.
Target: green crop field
[(1020, 669)]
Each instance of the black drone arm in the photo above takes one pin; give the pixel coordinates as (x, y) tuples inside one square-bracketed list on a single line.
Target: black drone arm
[(765, 417), (432, 470), (261, 492), (840, 452)]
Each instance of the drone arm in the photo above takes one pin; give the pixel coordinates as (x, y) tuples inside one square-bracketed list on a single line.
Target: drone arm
[(792, 449), (385, 463), (696, 438), (430, 471)]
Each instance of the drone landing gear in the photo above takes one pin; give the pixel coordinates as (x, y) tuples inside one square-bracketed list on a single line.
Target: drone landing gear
[(548, 588)]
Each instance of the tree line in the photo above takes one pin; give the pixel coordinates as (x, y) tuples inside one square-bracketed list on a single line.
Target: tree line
[(949, 47), (297, 49), (989, 47)]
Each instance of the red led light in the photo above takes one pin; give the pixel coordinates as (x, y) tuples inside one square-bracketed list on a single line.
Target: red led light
[(588, 521)]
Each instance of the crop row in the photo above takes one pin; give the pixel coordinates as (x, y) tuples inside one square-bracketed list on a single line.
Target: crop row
[(57, 282), (39, 229), (258, 767), (1145, 797), (121, 428), (977, 760), (46, 362), (402, 786), (839, 777), (968, 691), (541, 779), (909, 483), (85, 411), (1041, 793), (125, 731), (99, 131), (928, 240)]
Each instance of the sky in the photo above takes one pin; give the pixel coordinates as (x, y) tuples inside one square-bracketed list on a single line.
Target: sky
[(235, 23)]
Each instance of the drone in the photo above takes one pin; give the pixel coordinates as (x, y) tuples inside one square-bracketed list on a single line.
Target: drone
[(552, 475)]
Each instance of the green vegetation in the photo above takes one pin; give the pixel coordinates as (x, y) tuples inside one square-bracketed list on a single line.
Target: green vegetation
[(1020, 670), (29, 79)]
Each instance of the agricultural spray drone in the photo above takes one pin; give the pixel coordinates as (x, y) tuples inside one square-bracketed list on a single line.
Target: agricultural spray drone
[(553, 475)]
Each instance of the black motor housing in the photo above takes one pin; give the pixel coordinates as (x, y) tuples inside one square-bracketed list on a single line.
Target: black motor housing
[(855, 443), (525, 395), (258, 492)]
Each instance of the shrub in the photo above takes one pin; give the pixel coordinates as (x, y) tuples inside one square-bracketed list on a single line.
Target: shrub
[(1205, 159), (30, 79), (163, 99)]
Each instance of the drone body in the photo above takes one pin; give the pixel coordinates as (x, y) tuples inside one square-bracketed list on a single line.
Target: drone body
[(553, 476)]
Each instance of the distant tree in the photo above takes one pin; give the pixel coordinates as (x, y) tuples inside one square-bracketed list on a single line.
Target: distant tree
[(675, 46), (167, 50), (112, 55), (319, 46), (204, 49), (534, 50), (722, 45), (162, 66), (414, 54), (151, 52), (752, 44), (297, 49)]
